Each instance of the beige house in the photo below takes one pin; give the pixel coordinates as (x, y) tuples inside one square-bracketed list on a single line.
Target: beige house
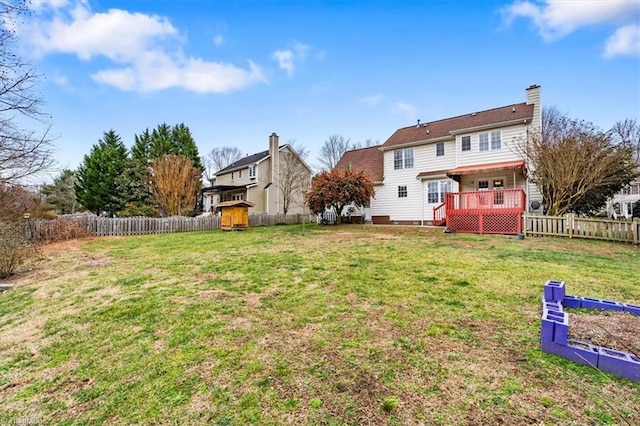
[(273, 180)]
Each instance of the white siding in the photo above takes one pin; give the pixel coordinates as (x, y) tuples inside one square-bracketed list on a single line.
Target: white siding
[(414, 207), (512, 139)]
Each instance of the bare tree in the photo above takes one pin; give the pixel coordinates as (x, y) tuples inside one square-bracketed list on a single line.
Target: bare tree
[(295, 177), (368, 143), (23, 153), (223, 157), (627, 133), (176, 183), (299, 148), (575, 165), (332, 151)]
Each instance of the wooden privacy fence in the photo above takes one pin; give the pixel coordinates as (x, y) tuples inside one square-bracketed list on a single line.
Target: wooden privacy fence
[(571, 226), (82, 226)]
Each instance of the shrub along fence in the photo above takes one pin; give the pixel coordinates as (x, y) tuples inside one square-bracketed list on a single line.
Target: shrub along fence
[(572, 226), (64, 228)]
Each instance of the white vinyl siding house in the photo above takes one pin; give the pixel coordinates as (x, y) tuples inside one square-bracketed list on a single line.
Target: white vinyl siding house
[(473, 152)]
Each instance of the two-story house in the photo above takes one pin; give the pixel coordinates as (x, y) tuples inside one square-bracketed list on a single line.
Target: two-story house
[(273, 180), (468, 172), (623, 203)]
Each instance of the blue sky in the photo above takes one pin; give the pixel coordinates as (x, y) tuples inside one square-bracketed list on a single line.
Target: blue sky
[(236, 71)]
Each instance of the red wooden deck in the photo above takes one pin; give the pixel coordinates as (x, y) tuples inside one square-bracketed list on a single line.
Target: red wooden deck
[(482, 212)]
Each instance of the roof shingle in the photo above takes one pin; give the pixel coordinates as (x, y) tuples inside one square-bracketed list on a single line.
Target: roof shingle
[(368, 159), (249, 159), (443, 128)]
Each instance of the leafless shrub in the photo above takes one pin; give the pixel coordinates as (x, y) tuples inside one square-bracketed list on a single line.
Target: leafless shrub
[(60, 229), (14, 246)]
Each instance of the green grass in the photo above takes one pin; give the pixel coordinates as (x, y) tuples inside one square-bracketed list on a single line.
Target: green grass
[(333, 325)]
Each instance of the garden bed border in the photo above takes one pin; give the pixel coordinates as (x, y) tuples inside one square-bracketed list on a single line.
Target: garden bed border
[(554, 332)]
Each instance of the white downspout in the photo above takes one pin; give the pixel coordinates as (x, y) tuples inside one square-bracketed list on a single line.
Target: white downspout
[(422, 200)]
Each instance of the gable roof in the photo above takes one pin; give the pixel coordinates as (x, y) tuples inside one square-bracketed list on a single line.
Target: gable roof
[(249, 159), (368, 159), (446, 128)]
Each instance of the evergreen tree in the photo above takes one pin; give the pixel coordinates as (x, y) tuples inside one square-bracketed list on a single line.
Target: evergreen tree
[(61, 193), (148, 147), (97, 186), (185, 145), (163, 140), (141, 148), (134, 185)]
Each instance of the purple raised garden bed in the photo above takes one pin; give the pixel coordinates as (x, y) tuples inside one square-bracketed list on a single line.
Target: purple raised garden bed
[(554, 332)]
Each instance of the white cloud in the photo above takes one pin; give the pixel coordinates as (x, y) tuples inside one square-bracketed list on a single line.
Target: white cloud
[(406, 109), (555, 19), (625, 41), (39, 5), (145, 47), (301, 50), (194, 75), (285, 60), (61, 80), (372, 100), (288, 58)]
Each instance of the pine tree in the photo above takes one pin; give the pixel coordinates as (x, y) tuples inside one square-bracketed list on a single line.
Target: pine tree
[(61, 193), (96, 187)]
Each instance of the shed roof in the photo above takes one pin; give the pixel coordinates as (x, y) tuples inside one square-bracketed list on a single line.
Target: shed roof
[(235, 203)]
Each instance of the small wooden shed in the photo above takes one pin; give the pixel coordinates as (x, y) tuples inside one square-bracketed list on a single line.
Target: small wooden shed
[(235, 214)]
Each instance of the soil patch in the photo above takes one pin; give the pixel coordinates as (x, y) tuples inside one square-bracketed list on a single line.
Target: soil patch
[(614, 330)]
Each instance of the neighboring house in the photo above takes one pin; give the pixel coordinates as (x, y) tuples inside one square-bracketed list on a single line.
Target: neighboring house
[(370, 161), (622, 205), (476, 158), (273, 180)]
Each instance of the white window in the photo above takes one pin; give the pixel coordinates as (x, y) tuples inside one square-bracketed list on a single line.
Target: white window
[(408, 158), (436, 190), (432, 192), (466, 143), (252, 171), (240, 173), (397, 159), (402, 191), (439, 149), (445, 186), (403, 159), (237, 197), (496, 141), (484, 142)]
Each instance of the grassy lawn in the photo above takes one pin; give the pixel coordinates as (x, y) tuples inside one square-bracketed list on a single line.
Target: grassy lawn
[(336, 325)]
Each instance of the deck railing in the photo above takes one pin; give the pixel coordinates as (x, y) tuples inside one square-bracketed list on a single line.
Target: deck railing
[(494, 199), (485, 212), (440, 214)]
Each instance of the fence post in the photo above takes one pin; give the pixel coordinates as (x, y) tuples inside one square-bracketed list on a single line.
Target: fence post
[(570, 218), (635, 230)]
